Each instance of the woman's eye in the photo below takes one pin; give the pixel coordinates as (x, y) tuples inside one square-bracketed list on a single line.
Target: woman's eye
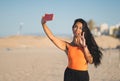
[(75, 27)]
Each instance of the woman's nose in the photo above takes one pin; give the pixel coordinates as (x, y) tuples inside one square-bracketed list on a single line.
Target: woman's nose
[(77, 29)]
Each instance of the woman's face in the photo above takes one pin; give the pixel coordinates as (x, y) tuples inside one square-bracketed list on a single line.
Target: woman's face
[(77, 29)]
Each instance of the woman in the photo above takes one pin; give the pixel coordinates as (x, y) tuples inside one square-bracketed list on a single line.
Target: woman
[(81, 51)]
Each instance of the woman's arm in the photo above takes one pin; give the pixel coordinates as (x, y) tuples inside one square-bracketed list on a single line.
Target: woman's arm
[(59, 43), (82, 41), (88, 56)]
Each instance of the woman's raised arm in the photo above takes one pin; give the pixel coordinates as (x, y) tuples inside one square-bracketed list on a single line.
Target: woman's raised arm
[(59, 43)]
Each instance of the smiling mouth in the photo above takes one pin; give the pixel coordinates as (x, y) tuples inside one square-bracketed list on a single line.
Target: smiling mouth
[(77, 34)]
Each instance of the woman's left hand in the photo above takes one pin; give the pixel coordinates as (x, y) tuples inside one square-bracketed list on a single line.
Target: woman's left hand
[(82, 40)]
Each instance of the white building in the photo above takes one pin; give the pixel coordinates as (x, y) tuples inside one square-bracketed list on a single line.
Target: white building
[(104, 29), (111, 30), (96, 31)]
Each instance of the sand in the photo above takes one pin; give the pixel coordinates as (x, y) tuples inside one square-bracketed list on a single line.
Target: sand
[(35, 58)]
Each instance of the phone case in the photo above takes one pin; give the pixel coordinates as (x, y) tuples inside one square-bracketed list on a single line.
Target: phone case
[(48, 17)]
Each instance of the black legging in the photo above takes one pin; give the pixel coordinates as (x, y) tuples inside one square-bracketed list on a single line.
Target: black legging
[(75, 75)]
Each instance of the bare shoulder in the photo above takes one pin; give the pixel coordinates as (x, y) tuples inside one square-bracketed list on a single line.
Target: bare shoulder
[(67, 45)]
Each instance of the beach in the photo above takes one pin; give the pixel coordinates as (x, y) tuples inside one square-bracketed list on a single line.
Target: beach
[(35, 58)]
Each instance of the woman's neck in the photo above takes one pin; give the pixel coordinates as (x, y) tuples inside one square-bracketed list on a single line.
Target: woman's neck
[(75, 42)]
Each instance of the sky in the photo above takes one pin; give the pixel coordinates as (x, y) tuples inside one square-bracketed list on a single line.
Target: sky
[(27, 14)]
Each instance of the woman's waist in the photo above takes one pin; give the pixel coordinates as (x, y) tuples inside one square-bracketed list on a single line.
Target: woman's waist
[(82, 67), (80, 70)]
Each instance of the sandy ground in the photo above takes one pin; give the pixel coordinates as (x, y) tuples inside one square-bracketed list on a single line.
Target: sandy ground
[(32, 58)]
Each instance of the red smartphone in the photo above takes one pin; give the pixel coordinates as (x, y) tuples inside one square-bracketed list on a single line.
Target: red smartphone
[(48, 17)]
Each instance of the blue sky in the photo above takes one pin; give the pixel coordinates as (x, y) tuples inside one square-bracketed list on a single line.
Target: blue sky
[(29, 13)]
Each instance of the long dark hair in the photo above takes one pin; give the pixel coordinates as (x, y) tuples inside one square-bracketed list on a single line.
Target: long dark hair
[(90, 42)]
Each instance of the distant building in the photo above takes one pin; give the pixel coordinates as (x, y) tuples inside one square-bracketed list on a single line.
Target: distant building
[(111, 30), (20, 28), (104, 29), (118, 25), (115, 30), (96, 31)]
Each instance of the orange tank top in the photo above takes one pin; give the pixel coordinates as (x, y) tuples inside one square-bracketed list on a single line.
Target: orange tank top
[(76, 58)]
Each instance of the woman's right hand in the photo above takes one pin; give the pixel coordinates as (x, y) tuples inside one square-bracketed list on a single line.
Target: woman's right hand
[(43, 20)]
